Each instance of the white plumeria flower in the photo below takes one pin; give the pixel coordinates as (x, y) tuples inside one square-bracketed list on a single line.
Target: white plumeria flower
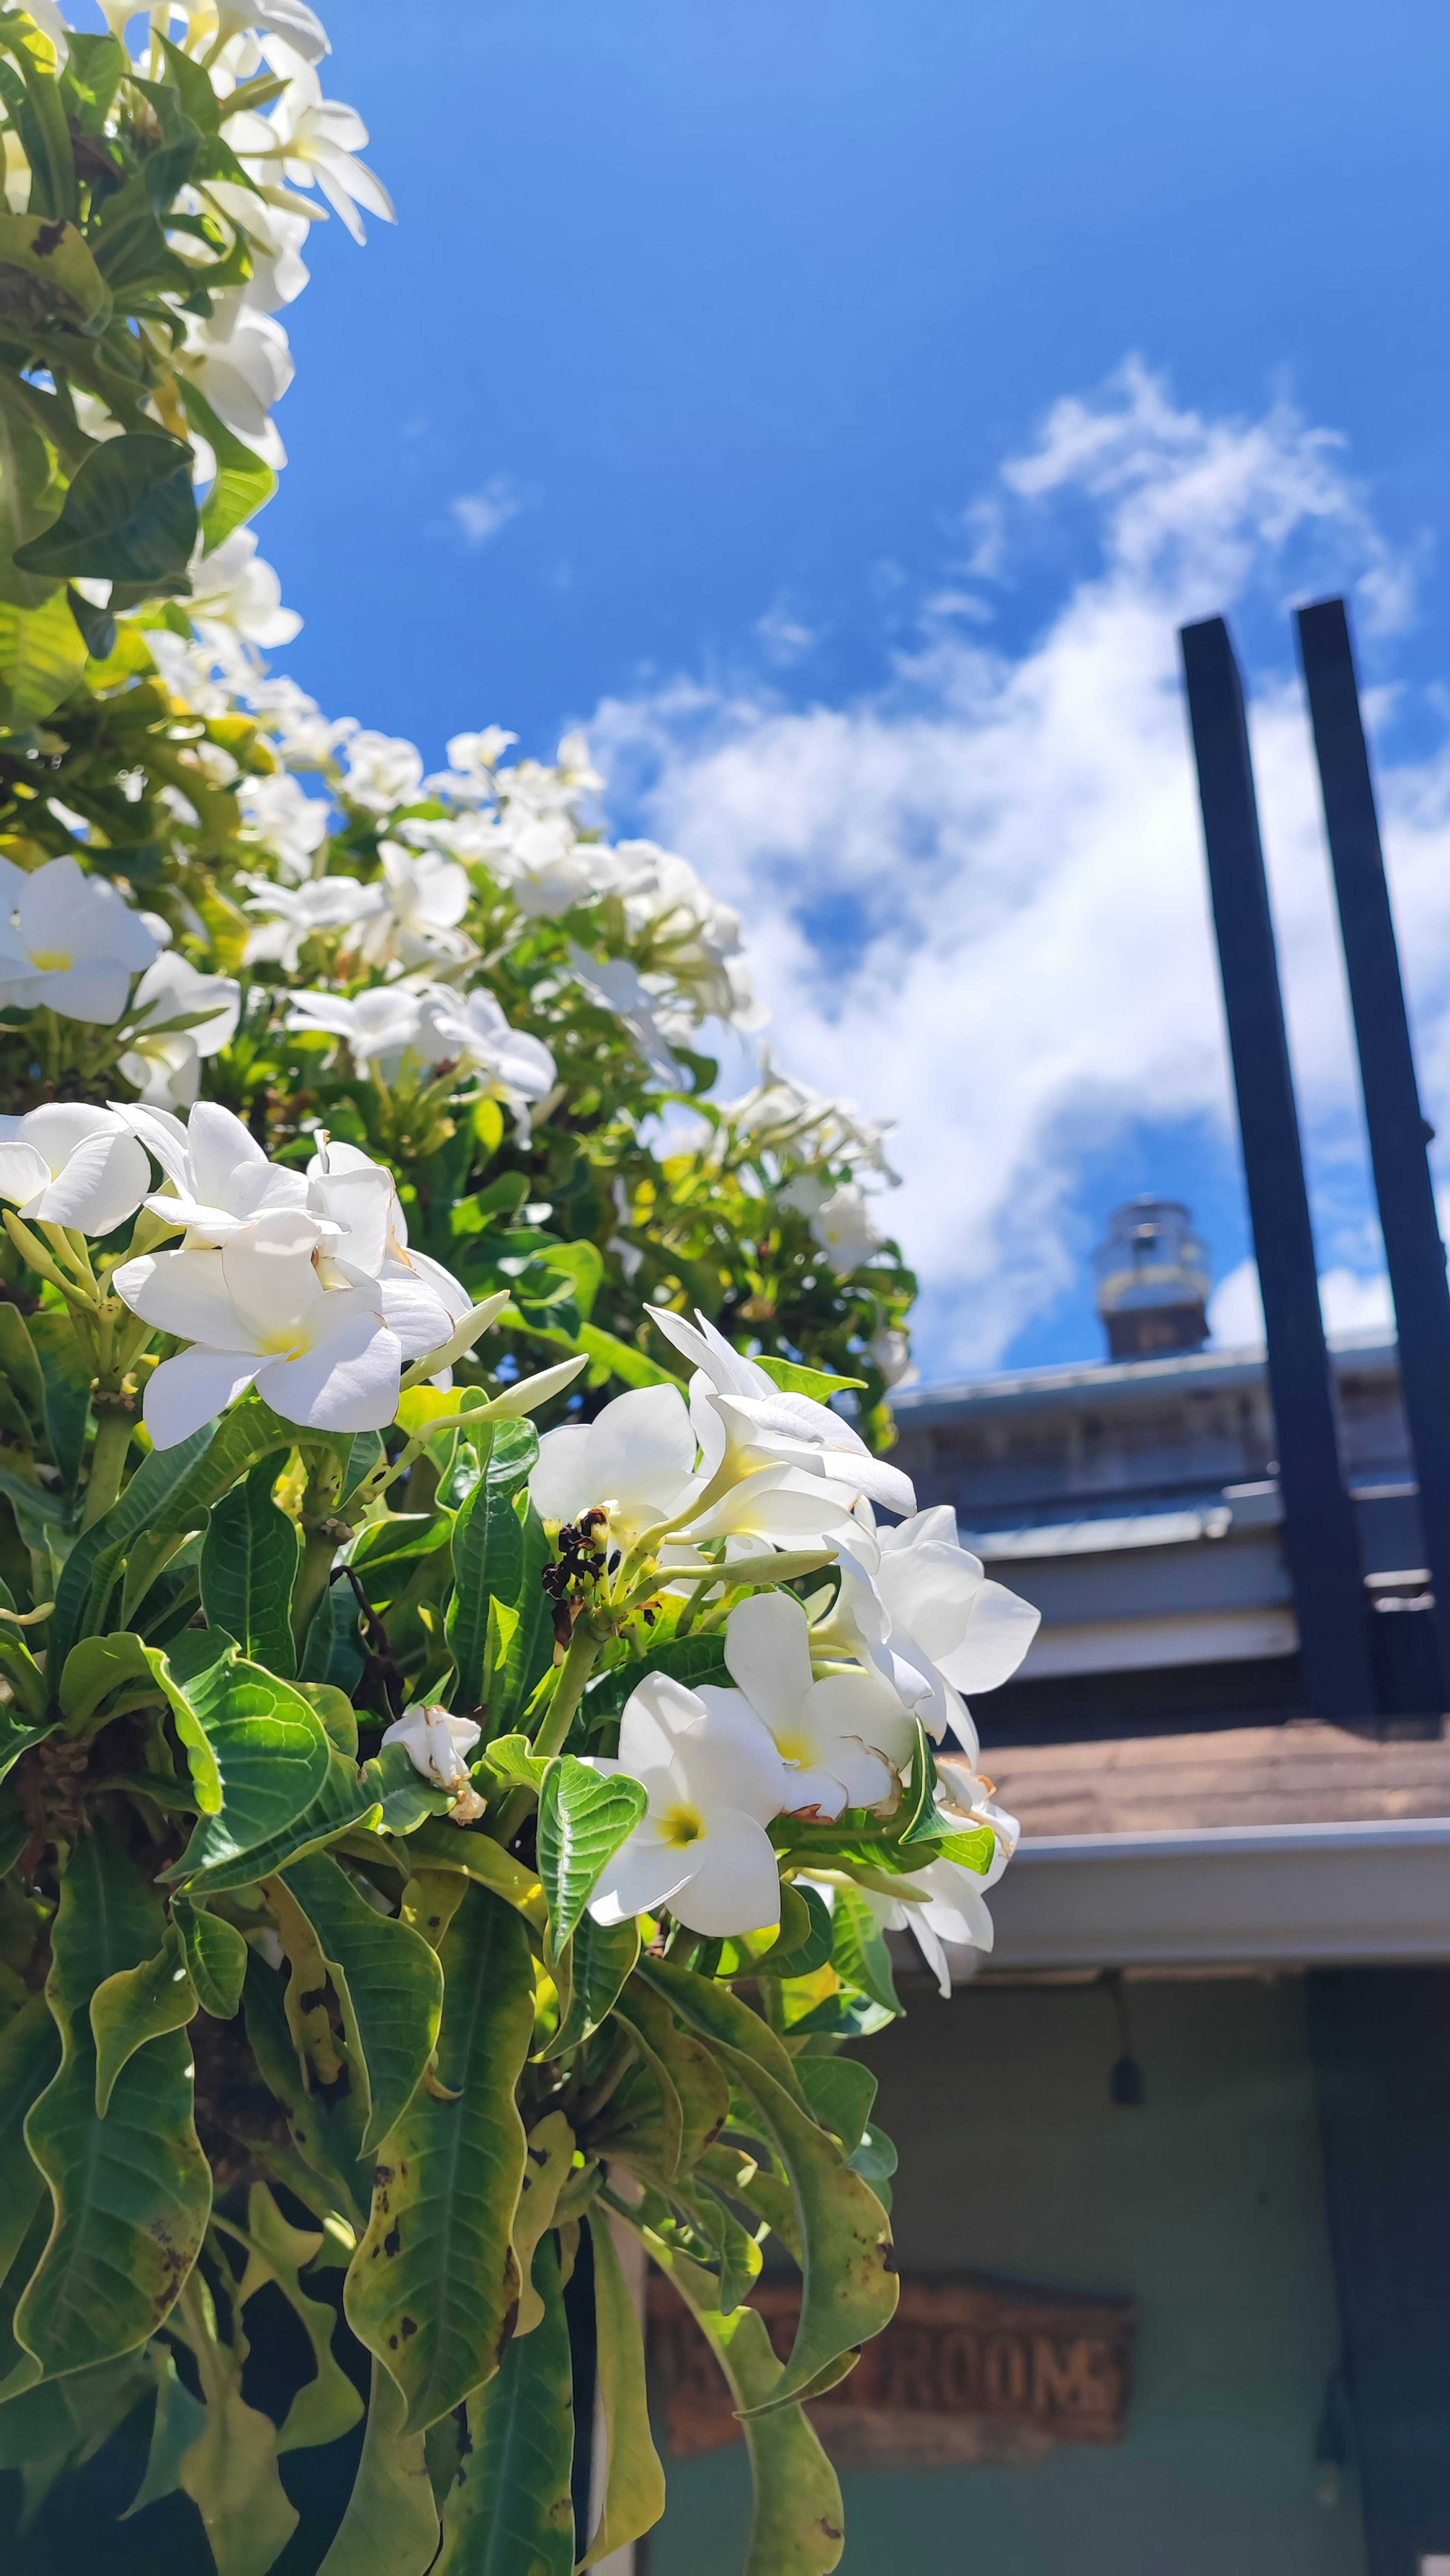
[(920, 1607), (890, 1348), (696, 939), (472, 760), (221, 1181), (257, 1314), (421, 1300), (294, 914), (379, 1026), (636, 1458), (318, 140), (842, 1227), (435, 1743), (69, 1164), (844, 1736), (547, 870), (622, 989), (234, 592), (382, 771), (68, 942), (282, 818), (165, 1064), (713, 1780), (294, 723), (275, 237), (426, 899), (743, 1420), (217, 23), (239, 359), (471, 1028)]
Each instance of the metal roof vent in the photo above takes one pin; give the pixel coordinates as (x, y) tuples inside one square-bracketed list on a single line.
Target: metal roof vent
[(1153, 1282)]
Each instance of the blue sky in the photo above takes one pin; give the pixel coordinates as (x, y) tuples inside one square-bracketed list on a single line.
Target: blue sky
[(684, 391)]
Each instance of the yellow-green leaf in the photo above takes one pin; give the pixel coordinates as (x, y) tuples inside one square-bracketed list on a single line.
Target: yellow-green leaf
[(547, 2163), (388, 1982), (510, 2507), (390, 2527), (137, 2004), (634, 2489)]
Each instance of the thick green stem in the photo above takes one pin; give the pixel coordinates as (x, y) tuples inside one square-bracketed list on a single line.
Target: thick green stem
[(579, 1663), (322, 1535), (115, 1421)]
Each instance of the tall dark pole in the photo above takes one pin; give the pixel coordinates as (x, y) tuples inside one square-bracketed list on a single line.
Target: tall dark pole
[(1321, 1543), (1398, 1134)]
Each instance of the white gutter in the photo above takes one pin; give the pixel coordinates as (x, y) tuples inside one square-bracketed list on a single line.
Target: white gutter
[(1250, 1895)]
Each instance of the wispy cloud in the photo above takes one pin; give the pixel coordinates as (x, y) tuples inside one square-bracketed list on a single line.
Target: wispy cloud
[(975, 896), (480, 515), (784, 635)]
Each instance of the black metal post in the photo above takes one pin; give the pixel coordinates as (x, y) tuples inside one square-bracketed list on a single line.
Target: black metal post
[(1398, 1134), (1321, 1543)]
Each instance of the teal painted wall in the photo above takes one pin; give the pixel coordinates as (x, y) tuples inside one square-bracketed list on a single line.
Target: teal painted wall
[(1206, 2205)]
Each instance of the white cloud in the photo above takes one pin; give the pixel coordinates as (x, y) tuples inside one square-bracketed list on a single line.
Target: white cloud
[(975, 897), (1350, 1302), (480, 515), (784, 637)]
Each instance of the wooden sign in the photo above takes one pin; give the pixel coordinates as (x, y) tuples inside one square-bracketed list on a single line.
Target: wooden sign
[(968, 2369)]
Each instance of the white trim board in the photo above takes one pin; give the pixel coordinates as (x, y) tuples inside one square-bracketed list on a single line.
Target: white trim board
[(1261, 1895)]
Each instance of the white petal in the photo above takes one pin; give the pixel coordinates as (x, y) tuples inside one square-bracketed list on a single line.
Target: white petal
[(96, 990), (728, 1758), (736, 1887), (860, 1705), (185, 1293), (641, 1448), (558, 1479), (654, 1717), (217, 1143), (192, 1389), (24, 1173), (768, 1655), (645, 1873), (348, 1380), (1001, 1628), (270, 1277)]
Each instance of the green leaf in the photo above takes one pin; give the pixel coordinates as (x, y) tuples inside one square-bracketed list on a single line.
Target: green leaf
[(230, 2472), (975, 1851), (244, 481), (488, 1553), (49, 282), (223, 1452), (390, 2527), (344, 1800), (601, 1956), (42, 659), (332, 1654), (520, 1646), (16, 1738), (848, 2280), (691, 1660), (248, 1567), (548, 2158), (132, 2192), (794, 1379), (178, 2423), (66, 1373), (29, 499), (336, 1712), (92, 1570), (130, 516), (840, 2091), (694, 2093), (407, 1799), (859, 1953), (721, 2017), (389, 1984), (327, 2405), (510, 2511), (216, 1957), (19, 1359), (798, 2525), (29, 2056), (309, 2122), (634, 2495), (804, 1940), (584, 1816), (137, 2004), (258, 1752), (433, 2284)]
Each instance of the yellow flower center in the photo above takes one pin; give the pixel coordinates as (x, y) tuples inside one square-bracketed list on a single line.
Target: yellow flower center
[(794, 1747), (287, 1344), (682, 1825), (51, 961)]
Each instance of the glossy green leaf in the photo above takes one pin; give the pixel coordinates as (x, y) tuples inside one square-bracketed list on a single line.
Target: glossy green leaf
[(388, 1982), (390, 2527), (244, 482), (695, 2096), (137, 2004), (691, 1660), (859, 1953), (798, 2525), (311, 2126), (131, 2192), (634, 2490), (510, 2511), (226, 1451), (840, 2091), (248, 1567), (346, 1799), (230, 2472), (520, 1646), (17, 1738), (601, 1956), (19, 1358), (29, 2056), (433, 2285), (216, 1957), (849, 2286), (93, 1568), (130, 516), (30, 495), (547, 2161), (336, 1712), (793, 1379), (718, 2016), (42, 659), (804, 1940), (258, 1752), (48, 279), (97, 1667), (584, 1816), (488, 1553)]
